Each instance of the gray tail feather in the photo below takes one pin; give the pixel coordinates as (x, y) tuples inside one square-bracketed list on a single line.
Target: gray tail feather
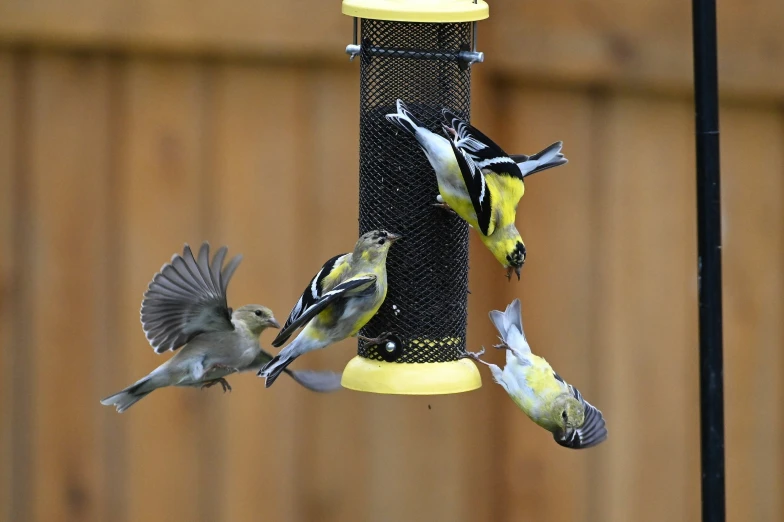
[(548, 158), (503, 321), (322, 382), (126, 398)]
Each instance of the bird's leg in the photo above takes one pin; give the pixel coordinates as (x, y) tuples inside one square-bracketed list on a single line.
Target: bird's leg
[(375, 340), (218, 366), (440, 203), (502, 346), (223, 382), (475, 356)]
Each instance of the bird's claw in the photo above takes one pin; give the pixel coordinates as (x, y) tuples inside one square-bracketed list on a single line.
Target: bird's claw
[(223, 382), (502, 346), (444, 206), (475, 355), (384, 337)]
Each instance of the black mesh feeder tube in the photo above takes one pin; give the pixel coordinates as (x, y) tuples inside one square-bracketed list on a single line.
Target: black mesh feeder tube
[(419, 51)]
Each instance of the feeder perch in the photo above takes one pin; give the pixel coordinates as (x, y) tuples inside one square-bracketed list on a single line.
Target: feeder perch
[(419, 51)]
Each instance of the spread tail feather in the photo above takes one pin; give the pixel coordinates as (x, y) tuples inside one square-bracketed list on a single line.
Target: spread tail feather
[(510, 327), (126, 398), (546, 159), (322, 382), (404, 119)]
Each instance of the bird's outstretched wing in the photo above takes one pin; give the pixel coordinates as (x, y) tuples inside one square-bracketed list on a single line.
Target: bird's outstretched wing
[(320, 293), (592, 432), (188, 297), (487, 155)]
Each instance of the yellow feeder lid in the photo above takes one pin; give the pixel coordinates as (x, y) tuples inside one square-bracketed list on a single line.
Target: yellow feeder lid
[(439, 378), (439, 11)]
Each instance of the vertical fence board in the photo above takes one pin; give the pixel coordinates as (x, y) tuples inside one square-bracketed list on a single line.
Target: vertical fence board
[(160, 191), (335, 457), (7, 280), (753, 247), (260, 167), (554, 219), (647, 309), (478, 412), (68, 179)]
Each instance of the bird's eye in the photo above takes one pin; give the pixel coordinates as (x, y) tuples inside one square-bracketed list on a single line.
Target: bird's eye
[(258, 313), (380, 241), (563, 415)]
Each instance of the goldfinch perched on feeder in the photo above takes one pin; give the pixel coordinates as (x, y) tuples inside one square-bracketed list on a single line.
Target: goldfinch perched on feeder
[(185, 306), (479, 181), (540, 392), (340, 299)]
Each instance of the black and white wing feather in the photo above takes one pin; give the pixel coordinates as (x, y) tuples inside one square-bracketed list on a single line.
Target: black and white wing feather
[(592, 432), (188, 297), (320, 293), (476, 184), (313, 291), (487, 155)]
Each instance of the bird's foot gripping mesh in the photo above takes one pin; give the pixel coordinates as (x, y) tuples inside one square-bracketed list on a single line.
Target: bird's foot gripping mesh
[(426, 305)]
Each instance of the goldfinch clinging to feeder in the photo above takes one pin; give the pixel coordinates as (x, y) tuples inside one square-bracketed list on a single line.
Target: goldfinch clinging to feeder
[(540, 392), (185, 306), (340, 299), (479, 181)]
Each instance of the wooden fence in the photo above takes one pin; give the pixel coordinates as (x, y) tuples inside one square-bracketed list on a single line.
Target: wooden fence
[(127, 129)]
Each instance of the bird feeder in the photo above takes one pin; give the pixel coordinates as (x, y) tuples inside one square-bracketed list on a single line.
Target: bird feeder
[(419, 51)]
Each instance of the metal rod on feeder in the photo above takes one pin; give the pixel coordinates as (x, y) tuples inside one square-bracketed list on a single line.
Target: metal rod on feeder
[(706, 101)]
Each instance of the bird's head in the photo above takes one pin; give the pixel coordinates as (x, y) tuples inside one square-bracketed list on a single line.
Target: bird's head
[(255, 318), (374, 244), (508, 248), (568, 413), (515, 259)]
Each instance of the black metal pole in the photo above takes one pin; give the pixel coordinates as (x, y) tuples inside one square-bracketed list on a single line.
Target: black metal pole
[(706, 101)]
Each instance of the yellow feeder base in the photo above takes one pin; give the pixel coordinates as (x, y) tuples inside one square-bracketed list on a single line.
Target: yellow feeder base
[(440, 11), (367, 375)]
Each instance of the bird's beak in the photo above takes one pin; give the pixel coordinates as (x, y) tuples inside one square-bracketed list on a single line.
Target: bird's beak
[(393, 237), (274, 323)]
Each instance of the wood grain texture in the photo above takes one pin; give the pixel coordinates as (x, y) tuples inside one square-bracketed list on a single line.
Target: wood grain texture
[(161, 183), (299, 28), (594, 42), (8, 145), (259, 167), (646, 306), (109, 163), (753, 246), (68, 179), (336, 445), (630, 44), (556, 292)]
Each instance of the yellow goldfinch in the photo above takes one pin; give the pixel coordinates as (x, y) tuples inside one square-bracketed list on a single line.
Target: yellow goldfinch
[(340, 299), (185, 306), (540, 392), (479, 181)]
